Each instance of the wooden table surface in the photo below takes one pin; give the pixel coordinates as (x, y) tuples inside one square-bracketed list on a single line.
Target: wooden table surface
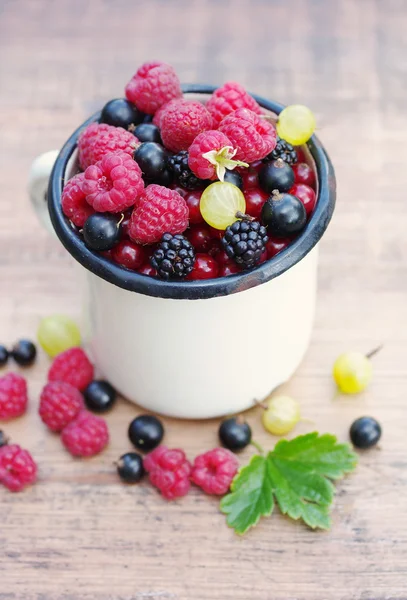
[(79, 533)]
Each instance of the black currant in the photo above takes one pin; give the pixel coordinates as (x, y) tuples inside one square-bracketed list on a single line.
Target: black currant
[(99, 396), (235, 178), (146, 432), (121, 113), (3, 439), (283, 215), (276, 175), (4, 354), (130, 467), (152, 160), (235, 433), (147, 132), (365, 432), (24, 353), (101, 231)]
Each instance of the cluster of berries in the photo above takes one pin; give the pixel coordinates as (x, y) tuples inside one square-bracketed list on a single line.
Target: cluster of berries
[(175, 188)]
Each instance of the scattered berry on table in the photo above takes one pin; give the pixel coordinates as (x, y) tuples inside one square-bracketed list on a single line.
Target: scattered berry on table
[(352, 372), (101, 231), (60, 403), (255, 199), (365, 432), (276, 175), (219, 204), (72, 366), (306, 194), (152, 159), (234, 177), (154, 84), (200, 237), (3, 439), (205, 267), (169, 471), (182, 122), (24, 353), (182, 172), (303, 173), (281, 415), (86, 435), (285, 151), (228, 268), (13, 396), (146, 432), (283, 215), (245, 241), (4, 355), (252, 136), (17, 468), (120, 113), (114, 183), (296, 124), (159, 211), (210, 154), (214, 471), (128, 254), (229, 98), (274, 246), (73, 201), (148, 132), (235, 434), (130, 467), (99, 139), (193, 200), (99, 396)]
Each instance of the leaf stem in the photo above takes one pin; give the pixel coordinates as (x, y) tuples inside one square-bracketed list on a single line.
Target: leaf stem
[(257, 446), (374, 351)]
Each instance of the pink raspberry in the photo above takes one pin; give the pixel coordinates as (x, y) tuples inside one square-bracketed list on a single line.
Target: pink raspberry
[(13, 396), (169, 471), (86, 435), (153, 85), (99, 139), (158, 115), (72, 366), (160, 210), (253, 136), (114, 183), (215, 470), (210, 154), (182, 122), (73, 200), (17, 468), (229, 98), (60, 402)]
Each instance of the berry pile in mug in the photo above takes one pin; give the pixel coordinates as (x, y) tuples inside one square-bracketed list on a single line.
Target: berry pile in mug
[(177, 189)]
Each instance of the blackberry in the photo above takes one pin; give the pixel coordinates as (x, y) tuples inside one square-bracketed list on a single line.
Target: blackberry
[(174, 257), (183, 174), (245, 242), (283, 150)]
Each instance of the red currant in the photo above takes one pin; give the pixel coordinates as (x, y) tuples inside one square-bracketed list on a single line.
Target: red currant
[(205, 267), (255, 198), (215, 248), (217, 234), (147, 269), (129, 254), (306, 195), (228, 268), (181, 191), (304, 174), (273, 247), (250, 179), (200, 237), (192, 199), (222, 258), (300, 154), (263, 257)]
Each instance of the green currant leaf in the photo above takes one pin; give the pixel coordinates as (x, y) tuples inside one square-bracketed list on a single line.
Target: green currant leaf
[(251, 496)]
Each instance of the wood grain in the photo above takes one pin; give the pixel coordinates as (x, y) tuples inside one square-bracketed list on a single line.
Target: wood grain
[(79, 534)]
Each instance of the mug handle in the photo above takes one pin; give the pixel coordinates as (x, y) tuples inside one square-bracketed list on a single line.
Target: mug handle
[(38, 185)]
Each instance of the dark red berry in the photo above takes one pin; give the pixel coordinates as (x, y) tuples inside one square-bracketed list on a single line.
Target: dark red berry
[(274, 246), (228, 268), (304, 174), (205, 267), (250, 179), (306, 194), (222, 258), (200, 237), (147, 269), (255, 198), (129, 254), (181, 191), (192, 199), (217, 234)]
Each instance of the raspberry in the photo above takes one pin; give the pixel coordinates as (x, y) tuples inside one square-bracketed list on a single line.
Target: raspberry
[(215, 470), (182, 122), (86, 435), (72, 366), (114, 183), (229, 98), (13, 396), (253, 136), (160, 210), (220, 147), (99, 138), (153, 85), (74, 205), (158, 115), (169, 471), (17, 468), (60, 402)]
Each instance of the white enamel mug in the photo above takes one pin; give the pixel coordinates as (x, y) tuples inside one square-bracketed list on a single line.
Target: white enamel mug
[(194, 349)]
